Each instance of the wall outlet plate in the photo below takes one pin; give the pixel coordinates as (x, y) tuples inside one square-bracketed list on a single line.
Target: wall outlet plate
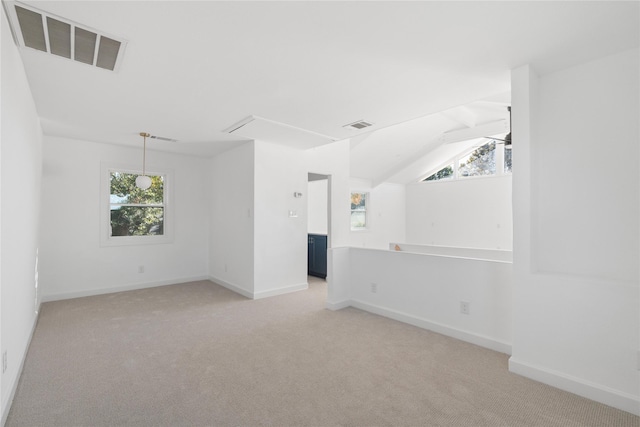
[(464, 307)]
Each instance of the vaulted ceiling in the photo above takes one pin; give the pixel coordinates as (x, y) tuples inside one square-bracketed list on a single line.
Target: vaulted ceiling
[(190, 71)]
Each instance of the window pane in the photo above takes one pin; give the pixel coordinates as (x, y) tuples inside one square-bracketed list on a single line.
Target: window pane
[(507, 160), (124, 190), (358, 201), (479, 162), (358, 219), (444, 173), (359, 210), (136, 221)]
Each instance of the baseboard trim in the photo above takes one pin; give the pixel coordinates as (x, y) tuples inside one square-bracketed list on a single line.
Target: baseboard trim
[(597, 392), (131, 287), (337, 305), (6, 404), (280, 291), (470, 337), (262, 294), (234, 288)]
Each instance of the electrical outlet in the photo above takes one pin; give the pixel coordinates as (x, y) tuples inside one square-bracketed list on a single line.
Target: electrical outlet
[(464, 307), (141, 269), (225, 268), (374, 288), (638, 360), (4, 361)]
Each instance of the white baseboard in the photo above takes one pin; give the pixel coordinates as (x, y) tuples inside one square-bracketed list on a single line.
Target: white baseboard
[(232, 287), (473, 338), (599, 393), (131, 287), (281, 291), (6, 403), (337, 305), (262, 294)]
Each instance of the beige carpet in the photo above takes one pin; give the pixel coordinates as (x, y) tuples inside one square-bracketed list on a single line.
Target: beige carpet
[(197, 354)]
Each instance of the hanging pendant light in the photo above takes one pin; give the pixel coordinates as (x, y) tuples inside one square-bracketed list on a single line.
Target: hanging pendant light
[(143, 181)]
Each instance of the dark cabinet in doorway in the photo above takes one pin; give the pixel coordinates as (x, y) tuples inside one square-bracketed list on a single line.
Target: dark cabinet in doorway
[(317, 255)]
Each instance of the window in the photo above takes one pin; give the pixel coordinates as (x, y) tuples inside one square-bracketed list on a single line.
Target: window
[(507, 160), (135, 212), (131, 216), (359, 211), (480, 162), (489, 159), (444, 173)]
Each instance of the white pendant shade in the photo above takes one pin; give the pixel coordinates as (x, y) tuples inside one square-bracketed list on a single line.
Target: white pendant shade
[(143, 182)]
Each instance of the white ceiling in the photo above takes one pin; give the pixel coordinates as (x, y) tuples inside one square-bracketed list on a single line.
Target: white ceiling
[(194, 69)]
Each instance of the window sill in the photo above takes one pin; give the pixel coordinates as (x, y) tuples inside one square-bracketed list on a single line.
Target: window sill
[(135, 241)]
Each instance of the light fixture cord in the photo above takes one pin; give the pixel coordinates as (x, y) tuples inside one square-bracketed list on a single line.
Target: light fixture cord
[(144, 153)]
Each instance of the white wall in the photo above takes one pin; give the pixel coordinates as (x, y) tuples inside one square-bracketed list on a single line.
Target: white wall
[(317, 206), (474, 212), (20, 173), (426, 291), (576, 209), (231, 246), (73, 262), (280, 257), (256, 248), (386, 216)]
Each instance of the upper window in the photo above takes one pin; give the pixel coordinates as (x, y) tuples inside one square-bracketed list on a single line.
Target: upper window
[(507, 160), (444, 173), (480, 162), (359, 211), (136, 212), (489, 159)]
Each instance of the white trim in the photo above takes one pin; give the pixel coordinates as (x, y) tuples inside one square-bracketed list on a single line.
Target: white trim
[(367, 210), (338, 305), (262, 294), (455, 160), (122, 288), (597, 392), (280, 291), (105, 221), (6, 404), (470, 337), (235, 288)]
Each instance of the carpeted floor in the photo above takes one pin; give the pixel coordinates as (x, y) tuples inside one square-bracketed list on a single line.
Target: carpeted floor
[(197, 354)]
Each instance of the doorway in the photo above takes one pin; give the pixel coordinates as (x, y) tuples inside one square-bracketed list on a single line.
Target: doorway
[(318, 223)]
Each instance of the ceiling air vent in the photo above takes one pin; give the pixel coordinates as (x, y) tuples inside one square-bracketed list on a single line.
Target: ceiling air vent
[(360, 124), (61, 37)]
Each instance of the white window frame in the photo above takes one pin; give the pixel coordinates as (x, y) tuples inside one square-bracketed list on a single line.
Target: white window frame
[(499, 168), (106, 239), (367, 211), (500, 148)]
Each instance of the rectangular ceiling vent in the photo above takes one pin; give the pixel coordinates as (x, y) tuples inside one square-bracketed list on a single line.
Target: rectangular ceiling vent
[(360, 124), (58, 36)]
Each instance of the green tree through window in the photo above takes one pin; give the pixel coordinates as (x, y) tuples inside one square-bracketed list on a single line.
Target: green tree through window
[(481, 161), (444, 173), (136, 212)]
